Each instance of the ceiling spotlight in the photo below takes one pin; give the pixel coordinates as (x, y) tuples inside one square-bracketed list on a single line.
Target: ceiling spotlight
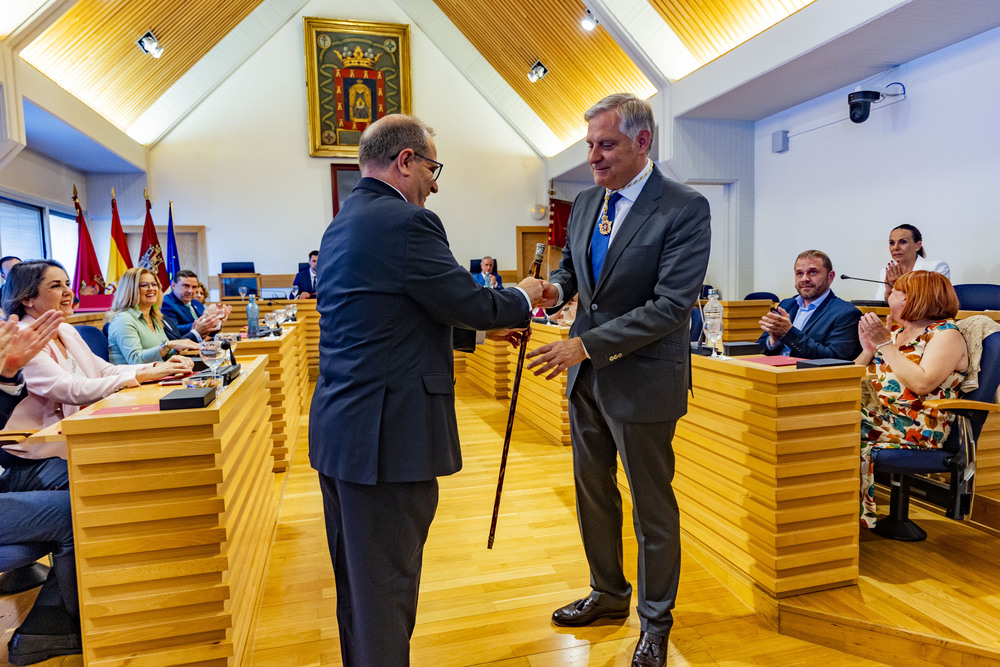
[(149, 44), (588, 22), (537, 71)]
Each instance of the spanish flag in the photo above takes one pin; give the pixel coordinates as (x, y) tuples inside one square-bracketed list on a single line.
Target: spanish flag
[(119, 260), (152, 252)]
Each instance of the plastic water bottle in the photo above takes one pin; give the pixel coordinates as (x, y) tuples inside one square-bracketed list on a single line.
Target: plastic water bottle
[(713, 321), (253, 323)]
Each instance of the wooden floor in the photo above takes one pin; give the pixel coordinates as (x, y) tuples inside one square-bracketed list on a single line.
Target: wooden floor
[(492, 607)]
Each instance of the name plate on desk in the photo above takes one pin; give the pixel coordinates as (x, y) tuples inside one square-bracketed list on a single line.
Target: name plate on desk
[(184, 399)]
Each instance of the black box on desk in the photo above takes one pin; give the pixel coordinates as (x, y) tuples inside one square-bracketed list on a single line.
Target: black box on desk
[(822, 363), (184, 399), (740, 348)]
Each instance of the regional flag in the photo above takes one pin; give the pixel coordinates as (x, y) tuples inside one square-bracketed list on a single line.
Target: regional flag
[(152, 253), (173, 261), (87, 279), (119, 260)]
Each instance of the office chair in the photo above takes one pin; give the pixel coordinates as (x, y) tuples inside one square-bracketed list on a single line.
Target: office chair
[(238, 267), (755, 296), (476, 266), (956, 457), (978, 296), (696, 324), (95, 339)]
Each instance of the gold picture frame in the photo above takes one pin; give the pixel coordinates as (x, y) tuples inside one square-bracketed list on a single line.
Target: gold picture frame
[(356, 73)]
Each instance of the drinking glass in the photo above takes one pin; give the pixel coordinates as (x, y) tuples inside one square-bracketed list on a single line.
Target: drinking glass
[(280, 315), (295, 291), (269, 321), (232, 338), (243, 292), (712, 336), (212, 354), (291, 310)]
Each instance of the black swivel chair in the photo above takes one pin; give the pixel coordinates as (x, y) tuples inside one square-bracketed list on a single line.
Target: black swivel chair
[(756, 296), (978, 296), (95, 339), (696, 325), (956, 458)]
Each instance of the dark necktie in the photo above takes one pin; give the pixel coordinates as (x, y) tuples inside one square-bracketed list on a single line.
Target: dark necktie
[(599, 242)]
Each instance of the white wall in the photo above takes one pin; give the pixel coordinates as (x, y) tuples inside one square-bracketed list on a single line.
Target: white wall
[(239, 163), (930, 160)]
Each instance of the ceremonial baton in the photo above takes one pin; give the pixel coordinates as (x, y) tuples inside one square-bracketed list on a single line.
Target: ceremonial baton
[(536, 267)]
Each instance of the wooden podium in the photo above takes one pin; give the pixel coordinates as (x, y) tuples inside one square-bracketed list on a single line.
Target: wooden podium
[(174, 514)]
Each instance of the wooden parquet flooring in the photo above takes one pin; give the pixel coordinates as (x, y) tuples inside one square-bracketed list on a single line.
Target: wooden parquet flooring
[(480, 606)]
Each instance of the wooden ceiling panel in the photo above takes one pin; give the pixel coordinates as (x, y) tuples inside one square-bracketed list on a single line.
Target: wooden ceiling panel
[(91, 50), (709, 28), (583, 66)]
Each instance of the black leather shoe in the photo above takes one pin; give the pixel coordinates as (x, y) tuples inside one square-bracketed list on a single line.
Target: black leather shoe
[(651, 651), (24, 649), (585, 612)]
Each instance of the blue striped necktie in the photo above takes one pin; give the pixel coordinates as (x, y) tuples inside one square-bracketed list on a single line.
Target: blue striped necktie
[(599, 242)]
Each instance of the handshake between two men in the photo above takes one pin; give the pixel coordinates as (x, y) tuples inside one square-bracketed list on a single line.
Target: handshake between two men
[(552, 358)]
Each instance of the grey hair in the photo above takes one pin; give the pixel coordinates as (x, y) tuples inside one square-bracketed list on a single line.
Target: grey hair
[(635, 115), (386, 138)]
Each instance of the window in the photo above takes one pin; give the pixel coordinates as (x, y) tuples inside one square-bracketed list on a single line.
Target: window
[(21, 232), (65, 235)]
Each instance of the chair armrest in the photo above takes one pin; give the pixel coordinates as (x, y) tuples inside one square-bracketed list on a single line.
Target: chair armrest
[(14, 437), (961, 404)]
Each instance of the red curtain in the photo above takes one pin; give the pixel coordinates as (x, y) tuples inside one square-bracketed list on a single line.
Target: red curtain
[(558, 219)]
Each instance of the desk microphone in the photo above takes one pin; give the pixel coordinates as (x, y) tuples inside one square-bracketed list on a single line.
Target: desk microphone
[(864, 280)]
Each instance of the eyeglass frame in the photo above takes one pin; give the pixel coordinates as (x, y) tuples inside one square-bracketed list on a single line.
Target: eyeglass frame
[(437, 170)]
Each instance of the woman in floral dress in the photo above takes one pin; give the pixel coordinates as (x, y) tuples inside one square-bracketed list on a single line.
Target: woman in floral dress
[(917, 355)]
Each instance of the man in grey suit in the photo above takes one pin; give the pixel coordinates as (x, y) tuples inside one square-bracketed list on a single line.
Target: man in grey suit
[(636, 251), (382, 425)]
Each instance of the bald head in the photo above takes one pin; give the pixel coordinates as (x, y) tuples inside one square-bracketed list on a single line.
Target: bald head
[(387, 137)]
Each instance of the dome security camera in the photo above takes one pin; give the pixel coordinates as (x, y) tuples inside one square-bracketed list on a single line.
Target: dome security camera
[(860, 103)]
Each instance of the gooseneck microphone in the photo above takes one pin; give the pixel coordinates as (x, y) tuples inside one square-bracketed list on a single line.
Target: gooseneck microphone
[(864, 280)]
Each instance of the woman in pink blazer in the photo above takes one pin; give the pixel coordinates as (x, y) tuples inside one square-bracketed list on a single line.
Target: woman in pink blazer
[(65, 376)]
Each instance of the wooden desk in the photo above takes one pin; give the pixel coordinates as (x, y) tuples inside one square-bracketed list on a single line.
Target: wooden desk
[(487, 368), (543, 402), (287, 385), (174, 514), (741, 319), (308, 319), (767, 477), (93, 318), (882, 311)]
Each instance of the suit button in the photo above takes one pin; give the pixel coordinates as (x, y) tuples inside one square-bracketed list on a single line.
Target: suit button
[(593, 306), (615, 357)]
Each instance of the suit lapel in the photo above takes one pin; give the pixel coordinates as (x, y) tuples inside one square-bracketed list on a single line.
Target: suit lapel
[(645, 205)]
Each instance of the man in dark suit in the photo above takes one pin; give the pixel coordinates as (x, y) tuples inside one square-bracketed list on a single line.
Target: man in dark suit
[(35, 507), (815, 324), (305, 280), (636, 251), (187, 314), (382, 425), (486, 276)]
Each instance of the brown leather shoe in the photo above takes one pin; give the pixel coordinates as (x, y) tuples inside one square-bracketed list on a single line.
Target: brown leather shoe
[(585, 612), (651, 651)]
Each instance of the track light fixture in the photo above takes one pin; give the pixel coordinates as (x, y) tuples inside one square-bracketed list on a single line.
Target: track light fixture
[(589, 22), (537, 71), (149, 44)]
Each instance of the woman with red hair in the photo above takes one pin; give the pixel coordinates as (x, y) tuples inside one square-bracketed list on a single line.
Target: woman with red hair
[(916, 356)]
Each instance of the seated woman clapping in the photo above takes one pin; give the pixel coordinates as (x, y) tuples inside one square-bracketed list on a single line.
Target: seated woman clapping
[(917, 355), (65, 376), (136, 335)]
